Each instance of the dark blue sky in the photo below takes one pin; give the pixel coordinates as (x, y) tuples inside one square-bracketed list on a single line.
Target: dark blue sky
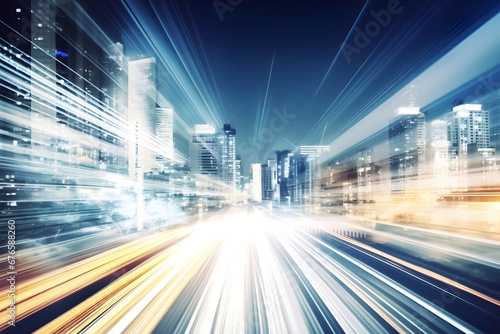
[(235, 57)]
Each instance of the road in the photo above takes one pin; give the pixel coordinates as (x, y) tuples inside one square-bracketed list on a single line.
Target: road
[(249, 269)]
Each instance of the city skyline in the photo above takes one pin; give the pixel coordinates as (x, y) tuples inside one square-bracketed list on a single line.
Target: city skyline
[(236, 166), (255, 140)]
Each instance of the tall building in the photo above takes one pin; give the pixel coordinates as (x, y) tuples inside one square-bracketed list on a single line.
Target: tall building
[(273, 169), (69, 123), (407, 150), (62, 120), (227, 155), (468, 124), (269, 181), (115, 98), (141, 114), (204, 151), (239, 180), (365, 171), (164, 129), (265, 182), (314, 154), (438, 156), (43, 75), (298, 180), (115, 83), (283, 172), (439, 130), (257, 182), (15, 104), (214, 153)]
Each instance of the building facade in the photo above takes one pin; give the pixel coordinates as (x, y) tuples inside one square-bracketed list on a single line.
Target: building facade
[(203, 151), (227, 156), (257, 182), (407, 150), (142, 109)]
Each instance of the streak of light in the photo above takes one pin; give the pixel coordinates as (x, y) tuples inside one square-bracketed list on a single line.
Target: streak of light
[(179, 57), (342, 47), (418, 269), (448, 73), (405, 292), (137, 301), (42, 291), (263, 113)]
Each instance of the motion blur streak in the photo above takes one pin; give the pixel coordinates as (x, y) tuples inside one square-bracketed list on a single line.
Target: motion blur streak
[(421, 270), (249, 269), (48, 288)]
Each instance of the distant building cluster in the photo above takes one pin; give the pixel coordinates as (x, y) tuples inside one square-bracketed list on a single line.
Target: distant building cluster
[(455, 161), (444, 161), (213, 154), (291, 178)]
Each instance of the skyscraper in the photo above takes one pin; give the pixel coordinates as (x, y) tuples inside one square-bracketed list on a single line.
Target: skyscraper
[(203, 151), (227, 155), (214, 153), (115, 84), (142, 108), (239, 181), (164, 129), (283, 172), (298, 180), (365, 170), (115, 98), (407, 150), (314, 154), (439, 148), (265, 182), (467, 124), (43, 75), (15, 137), (257, 182), (269, 181), (439, 131)]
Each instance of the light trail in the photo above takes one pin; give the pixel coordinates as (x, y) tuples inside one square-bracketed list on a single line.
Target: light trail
[(260, 121), (360, 15), (445, 75), (137, 301), (178, 57), (418, 269), (261, 273), (48, 288)]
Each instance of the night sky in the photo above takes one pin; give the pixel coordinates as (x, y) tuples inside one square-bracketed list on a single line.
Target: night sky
[(232, 59)]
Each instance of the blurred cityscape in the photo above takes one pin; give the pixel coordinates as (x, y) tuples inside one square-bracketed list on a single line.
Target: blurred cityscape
[(442, 174), (110, 186)]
